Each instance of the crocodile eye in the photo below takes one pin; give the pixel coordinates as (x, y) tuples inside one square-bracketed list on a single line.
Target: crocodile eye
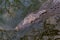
[(31, 21), (45, 12), (54, 8), (51, 8), (58, 7)]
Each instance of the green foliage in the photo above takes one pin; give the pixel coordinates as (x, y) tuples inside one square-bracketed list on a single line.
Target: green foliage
[(35, 5), (0, 1), (1, 11)]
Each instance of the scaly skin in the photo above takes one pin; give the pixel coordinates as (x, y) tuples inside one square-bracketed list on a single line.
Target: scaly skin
[(50, 8), (27, 20)]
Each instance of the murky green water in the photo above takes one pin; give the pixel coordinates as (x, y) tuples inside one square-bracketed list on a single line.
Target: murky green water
[(11, 13)]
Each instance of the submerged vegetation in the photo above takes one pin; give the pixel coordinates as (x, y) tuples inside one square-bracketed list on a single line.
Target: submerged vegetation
[(47, 33), (13, 11)]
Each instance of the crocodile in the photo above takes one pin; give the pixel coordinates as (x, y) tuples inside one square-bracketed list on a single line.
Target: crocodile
[(28, 19), (45, 11)]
